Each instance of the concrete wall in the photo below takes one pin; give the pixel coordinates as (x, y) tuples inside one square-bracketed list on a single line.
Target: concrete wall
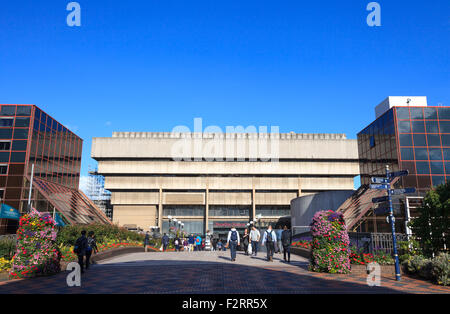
[(303, 208)]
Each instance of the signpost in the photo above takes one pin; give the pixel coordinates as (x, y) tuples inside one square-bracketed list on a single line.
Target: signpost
[(385, 184)]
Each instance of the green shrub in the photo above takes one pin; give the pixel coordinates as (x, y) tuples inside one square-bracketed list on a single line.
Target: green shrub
[(407, 249), (418, 265), (7, 247), (440, 269), (69, 234)]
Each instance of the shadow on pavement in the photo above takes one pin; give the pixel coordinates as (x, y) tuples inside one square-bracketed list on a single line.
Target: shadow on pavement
[(198, 278)]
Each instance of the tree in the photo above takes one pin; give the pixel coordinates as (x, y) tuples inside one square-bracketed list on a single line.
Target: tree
[(432, 224)]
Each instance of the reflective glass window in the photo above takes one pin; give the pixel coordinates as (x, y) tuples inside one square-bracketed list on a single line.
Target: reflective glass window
[(404, 127), (445, 139), (437, 167), (447, 167), (5, 133), (8, 111), (403, 113), (421, 154), (418, 126), (5, 145), (435, 153), (23, 111), (438, 180), (6, 122), (430, 113), (422, 167), (420, 140), (22, 122), (446, 153), (434, 140), (445, 126), (444, 113), (432, 126), (416, 113), (407, 153), (405, 140), (18, 157), (20, 133), (19, 145), (3, 170), (4, 157)]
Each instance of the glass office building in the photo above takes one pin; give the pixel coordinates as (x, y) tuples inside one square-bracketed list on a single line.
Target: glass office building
[(29, 136), (413, 138)]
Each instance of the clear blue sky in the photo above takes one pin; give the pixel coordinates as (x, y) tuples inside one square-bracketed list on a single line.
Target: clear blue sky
[(306, 66)]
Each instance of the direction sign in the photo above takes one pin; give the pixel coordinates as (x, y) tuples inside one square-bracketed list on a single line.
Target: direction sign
[(380, 199), (380, 186), (398, 174), (380, 180), (403, 191)]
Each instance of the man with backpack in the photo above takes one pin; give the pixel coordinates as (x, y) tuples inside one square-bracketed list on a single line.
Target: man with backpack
[(91, 247), (233, 241), (80, 249), (191, 242), (286, 239), (269, 239)]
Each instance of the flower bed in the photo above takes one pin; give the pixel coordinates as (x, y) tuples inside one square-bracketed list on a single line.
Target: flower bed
[(302, 244)]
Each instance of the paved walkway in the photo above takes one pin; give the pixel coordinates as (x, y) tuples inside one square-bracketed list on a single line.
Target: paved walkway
[(211, 272)]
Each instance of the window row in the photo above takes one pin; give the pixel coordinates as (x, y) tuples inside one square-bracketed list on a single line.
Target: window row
[(16, 145), (13, 110), (420, 113), (20, 122), (425, 154), (424, 126), (424, 140), (18, 133)]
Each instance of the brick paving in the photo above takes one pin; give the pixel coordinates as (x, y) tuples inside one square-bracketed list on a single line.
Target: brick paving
[(211, 273)]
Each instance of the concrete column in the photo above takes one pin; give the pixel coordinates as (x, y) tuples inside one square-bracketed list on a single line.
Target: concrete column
[(160, 209), (206, 206), (253, 200)]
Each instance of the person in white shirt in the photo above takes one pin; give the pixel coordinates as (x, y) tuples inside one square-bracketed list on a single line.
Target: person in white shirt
[(269, 239), (233, 241), (254, 239)]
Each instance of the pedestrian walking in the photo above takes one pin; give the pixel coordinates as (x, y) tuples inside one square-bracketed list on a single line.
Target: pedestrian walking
[(219, 245), (165, 242), (80, 249), (214, 243), (90, 248), (146, 241), (185, 245), (245, 240), (269, 239), (177, 244), (233, 241), (279, 247), (191, 242), (254, 239), (286, 239), (198, 242)]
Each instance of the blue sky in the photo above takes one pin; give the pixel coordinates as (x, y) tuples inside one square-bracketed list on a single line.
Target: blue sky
[(305, 66)]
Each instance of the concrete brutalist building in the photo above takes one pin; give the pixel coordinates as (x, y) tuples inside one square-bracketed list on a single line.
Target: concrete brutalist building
[(211, 181)]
